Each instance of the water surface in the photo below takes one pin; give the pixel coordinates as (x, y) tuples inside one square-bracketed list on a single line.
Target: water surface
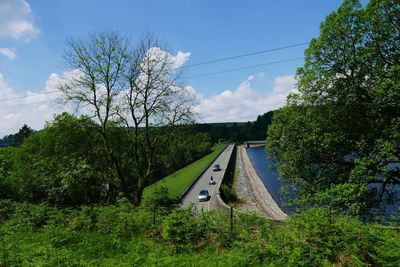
[(269, 177)]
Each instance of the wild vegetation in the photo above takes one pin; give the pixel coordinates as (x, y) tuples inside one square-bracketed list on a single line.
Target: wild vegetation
[(227, 189), (119, 236)]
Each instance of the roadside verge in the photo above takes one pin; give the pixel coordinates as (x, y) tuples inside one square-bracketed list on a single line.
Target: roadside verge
[(179, 182), (184, 193)]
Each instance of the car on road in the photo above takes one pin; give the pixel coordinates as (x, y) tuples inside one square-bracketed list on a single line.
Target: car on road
[(216, 167), (204, 195)]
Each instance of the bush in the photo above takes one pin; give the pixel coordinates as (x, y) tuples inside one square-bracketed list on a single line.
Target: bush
[(116, 235), (320, 236), (160, 199), (228, 193), (179, 228), (7, 208)]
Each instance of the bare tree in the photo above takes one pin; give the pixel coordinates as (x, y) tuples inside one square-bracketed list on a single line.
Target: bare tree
[(154, 102), (136, 86)]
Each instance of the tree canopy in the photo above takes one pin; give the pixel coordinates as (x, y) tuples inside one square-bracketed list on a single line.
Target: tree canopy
[(66, 163), (337, 140), (134, 86)]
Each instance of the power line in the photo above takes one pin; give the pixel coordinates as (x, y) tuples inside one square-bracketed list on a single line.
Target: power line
[(245, 55), (26, 104), (204, 63), (246, 67), (197, 64), (197, 76), (36, 94)]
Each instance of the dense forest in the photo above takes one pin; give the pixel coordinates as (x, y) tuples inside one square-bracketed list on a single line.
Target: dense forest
[(238, 131), (228, 131)]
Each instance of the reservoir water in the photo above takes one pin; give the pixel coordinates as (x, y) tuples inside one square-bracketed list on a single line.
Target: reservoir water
[(269, 177)]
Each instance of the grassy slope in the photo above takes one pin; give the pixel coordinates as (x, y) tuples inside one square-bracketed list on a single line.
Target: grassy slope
[(180, 180)]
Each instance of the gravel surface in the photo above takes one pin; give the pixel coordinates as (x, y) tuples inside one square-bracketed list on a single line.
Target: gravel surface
[(242, 186), (252, 191)]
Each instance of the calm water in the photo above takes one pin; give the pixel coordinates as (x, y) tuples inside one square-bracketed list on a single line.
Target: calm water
[(269, 177)]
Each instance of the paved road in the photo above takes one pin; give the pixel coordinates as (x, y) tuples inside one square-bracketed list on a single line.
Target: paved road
[(202, 183)]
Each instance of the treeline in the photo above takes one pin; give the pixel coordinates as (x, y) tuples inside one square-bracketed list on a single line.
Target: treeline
[(228, 131), (16, 139), (66, 163), (238, 131)]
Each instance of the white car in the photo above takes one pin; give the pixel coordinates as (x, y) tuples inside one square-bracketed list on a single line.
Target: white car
[(204, 195)]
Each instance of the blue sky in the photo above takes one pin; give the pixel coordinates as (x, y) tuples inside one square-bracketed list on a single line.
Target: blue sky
[(33, 34)]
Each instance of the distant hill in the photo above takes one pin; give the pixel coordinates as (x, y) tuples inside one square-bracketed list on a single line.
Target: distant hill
[(238, 131), (7, 140), (218, 131)]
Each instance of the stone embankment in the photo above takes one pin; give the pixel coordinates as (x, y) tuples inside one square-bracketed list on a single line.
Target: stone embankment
[(251, 189)]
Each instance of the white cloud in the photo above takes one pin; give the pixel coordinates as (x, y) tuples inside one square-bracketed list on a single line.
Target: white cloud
[(176, 61), (241, 104), (6, 91), (282, 83), (180, 59), (244, 103), (31, 108), (16, 20), (8, 52)]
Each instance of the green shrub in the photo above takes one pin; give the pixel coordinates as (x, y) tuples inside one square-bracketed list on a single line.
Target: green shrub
[(179, 228), (228, 193), (7, 208), (117, 235), (120, 222), (319, 236), (160, 199)]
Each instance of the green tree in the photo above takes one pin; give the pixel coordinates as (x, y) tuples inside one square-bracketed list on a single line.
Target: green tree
[(132, 86), (22, 134), (8, 187), (337, 140), (62, 164)]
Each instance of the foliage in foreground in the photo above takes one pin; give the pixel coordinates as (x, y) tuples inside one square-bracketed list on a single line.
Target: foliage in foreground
[(119, 236)]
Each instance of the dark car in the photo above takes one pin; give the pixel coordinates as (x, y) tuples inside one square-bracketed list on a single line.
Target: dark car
[(216, 168)]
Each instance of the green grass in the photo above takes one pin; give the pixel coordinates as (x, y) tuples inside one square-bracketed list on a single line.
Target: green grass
[(181, 179), (117, 235)]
